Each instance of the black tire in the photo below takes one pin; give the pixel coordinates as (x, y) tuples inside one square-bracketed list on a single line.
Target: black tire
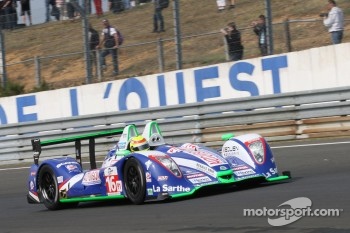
[(48, 188), (134, 181)]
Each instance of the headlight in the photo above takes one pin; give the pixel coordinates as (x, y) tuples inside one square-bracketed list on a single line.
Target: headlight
[(168, 163), (257, 149)]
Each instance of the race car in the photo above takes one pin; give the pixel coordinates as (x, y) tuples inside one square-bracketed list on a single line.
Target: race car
[(144, 168)]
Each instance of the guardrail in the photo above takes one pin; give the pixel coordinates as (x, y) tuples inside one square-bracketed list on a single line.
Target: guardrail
[(291, 116)]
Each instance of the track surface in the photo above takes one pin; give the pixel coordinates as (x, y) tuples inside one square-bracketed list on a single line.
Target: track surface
[(320, 172)]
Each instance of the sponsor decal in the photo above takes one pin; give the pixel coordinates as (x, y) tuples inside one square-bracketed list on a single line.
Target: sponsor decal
[(148, 177), (66, 163), (31, 185), (223, 168), (168, 188), (245, 172), (162, 178), (59, 179), (242, 154), (208, 157), (195, 175), (240, 168), (198, 180), (205, 169), (91, 178), (150, 192), (190, 146), (199, 167), (110, 171), (72, 168), (148, 164), (272, 171), (173, 150), (113, 184), (230, 150), (32, 173)]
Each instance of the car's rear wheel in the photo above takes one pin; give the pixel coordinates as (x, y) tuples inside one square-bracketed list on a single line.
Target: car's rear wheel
[(48, 188), (134, 181)]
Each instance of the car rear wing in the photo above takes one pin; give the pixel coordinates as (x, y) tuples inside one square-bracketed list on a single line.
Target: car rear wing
[(37, 144)]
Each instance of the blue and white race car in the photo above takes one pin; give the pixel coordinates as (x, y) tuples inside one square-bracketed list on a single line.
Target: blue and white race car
[(147, 168)]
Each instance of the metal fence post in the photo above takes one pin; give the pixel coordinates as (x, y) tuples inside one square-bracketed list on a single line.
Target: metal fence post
[(87, 54), (176, 12), (3, 60), (227, 56), (98, 65), (287, 34), (269, 32), (37, 71), (160, 55)]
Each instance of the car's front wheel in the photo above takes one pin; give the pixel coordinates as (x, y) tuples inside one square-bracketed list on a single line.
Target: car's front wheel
[(48, 188), (134, 181)]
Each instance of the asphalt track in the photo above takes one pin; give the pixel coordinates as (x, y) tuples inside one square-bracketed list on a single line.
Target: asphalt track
[(320, 172)]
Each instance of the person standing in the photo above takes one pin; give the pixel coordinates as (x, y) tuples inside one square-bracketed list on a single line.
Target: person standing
[(234, 42), (116, 6), (25, 8), (48, 11), (110, 41), (232, 4), (94, 41), (6, 12), (98, 7), (158, 19), (221, 5), (260, 31), (126, 4), (334, 21)]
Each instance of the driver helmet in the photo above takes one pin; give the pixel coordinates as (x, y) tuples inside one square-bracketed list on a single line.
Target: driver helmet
[(138, 143)]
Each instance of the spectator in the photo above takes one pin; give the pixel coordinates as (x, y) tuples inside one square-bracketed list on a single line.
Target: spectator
[(8, 17), (126, 4), (94, 41), (143, 1), (71, 6), (234, 42), (158, 17), (334, 21), (98, 7), (260, 31), (60, 5), (221, 5), (54, 10), (25, 8), (232, 4), (116, 6), (110, 41)]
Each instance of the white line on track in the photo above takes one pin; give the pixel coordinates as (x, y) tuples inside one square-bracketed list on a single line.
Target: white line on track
[(305, 145), (272, 147)]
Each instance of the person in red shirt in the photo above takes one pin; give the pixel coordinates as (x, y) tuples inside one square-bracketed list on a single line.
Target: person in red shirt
[(98, 7)]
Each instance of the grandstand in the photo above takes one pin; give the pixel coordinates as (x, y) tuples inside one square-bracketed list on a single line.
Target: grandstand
[(58, 46)]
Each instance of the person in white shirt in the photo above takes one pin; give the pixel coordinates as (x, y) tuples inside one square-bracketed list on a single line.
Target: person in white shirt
[(334, 21)]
